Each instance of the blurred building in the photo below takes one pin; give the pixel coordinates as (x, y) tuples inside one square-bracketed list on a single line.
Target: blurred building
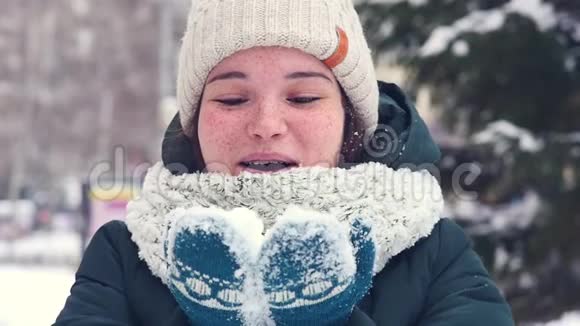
[(78, 78)]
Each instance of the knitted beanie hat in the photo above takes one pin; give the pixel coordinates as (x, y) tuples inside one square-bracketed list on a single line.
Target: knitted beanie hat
[(329, 30)]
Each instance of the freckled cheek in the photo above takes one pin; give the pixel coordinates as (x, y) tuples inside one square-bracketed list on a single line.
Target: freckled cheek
[(218, 136), (321, 133)]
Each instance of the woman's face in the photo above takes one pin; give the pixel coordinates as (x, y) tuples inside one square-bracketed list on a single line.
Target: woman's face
[(267, 109)]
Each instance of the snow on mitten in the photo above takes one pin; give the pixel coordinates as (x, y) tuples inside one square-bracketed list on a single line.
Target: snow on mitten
[(312, 274), (206, 253)]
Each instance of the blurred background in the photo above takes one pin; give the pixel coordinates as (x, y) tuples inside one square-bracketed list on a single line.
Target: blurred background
[(87, 88)]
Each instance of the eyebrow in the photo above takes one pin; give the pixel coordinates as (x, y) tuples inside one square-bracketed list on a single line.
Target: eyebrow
[(228, 75), (307, 74), (294, 75)]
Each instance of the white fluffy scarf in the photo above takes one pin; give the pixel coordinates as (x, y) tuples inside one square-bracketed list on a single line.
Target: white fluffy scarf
[(403, 206)]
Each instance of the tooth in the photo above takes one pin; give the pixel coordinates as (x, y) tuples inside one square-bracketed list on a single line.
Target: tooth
[(270, 165), (267, 162)]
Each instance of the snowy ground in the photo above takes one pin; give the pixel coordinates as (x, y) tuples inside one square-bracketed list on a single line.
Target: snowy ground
[(33, 295), (36, 274), (43, 246), (568, 319)]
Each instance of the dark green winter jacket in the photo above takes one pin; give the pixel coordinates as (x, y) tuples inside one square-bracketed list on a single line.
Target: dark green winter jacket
[(438, 281)]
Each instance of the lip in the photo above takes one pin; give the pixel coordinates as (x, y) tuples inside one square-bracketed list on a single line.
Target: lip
[(266, 156)]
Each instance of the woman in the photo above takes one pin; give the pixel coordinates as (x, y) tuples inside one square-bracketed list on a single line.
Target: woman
[(272, 204)]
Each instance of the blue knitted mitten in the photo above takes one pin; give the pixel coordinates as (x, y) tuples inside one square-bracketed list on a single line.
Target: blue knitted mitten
[(203, 270), (314, 273)]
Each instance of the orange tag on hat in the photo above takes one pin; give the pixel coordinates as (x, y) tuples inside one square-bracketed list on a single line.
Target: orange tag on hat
[(341, 51)]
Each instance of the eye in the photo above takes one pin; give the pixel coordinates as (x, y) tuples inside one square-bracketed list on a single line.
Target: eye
[(303, 99), (232, 101)]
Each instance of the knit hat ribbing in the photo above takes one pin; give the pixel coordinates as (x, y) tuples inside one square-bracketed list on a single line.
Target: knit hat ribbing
[(329, 30)]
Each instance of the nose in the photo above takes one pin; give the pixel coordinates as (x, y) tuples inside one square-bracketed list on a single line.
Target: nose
[(267, 121)]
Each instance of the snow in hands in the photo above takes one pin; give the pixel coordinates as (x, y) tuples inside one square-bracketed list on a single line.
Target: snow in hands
[(303, 270)]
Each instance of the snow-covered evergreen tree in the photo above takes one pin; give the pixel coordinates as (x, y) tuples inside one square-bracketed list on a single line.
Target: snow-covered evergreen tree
[(507, 74)]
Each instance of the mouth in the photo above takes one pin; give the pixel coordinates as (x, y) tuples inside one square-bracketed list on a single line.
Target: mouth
[(267, 166)]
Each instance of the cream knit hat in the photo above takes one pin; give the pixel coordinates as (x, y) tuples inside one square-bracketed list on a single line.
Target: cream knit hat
[(330, 30)]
